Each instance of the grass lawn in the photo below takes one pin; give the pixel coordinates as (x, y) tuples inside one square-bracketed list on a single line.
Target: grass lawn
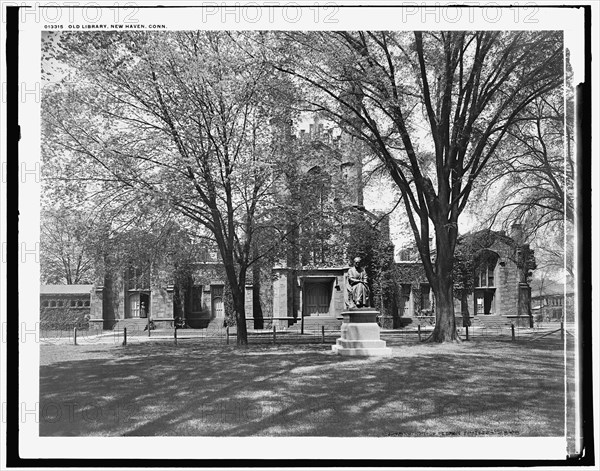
[(204, 388)]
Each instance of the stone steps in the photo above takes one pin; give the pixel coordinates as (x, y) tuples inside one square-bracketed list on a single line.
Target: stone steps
[(132, 325), (491, 321), (316, 323)]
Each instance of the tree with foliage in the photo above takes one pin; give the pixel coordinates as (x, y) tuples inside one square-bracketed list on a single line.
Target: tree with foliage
[(535, 175), (434, 107), (537, 171), (534, 186), (181, 120), (65, 257)]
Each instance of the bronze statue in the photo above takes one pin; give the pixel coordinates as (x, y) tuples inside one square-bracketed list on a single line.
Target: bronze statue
[(358, 288)]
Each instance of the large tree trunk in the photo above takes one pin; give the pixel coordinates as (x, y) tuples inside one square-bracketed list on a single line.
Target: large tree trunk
[(257, 313), (238, 293), (464, 309), (445, 322), (109, 295), (240, 315), (445, 325)]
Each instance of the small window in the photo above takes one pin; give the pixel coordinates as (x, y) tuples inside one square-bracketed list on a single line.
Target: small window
[(73, 303), (86, 304), (80, 303), (45, 303), (53, 303)]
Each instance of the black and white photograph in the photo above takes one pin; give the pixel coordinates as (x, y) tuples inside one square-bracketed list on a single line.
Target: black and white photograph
[(304, 232)]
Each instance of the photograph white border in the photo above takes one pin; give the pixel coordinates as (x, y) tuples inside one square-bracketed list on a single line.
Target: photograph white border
[(212, 15)]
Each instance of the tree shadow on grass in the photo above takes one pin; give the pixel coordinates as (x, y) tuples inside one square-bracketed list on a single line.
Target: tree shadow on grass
[(474, 388)]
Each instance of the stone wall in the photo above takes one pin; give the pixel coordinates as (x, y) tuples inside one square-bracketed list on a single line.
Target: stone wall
[(288, 290), (96, 306), (412, 274), (161, 303), (280, 292)]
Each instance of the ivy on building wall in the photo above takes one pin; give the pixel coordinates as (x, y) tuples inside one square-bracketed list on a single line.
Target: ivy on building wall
[(64, 318), (228, 305), (377, 254)]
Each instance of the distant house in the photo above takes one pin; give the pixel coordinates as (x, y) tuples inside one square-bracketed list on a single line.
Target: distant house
[(553, 302)]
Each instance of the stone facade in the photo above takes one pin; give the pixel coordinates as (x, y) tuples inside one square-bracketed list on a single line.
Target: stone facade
[(415, 298), (500, 288), (310, 282), (202, 299)]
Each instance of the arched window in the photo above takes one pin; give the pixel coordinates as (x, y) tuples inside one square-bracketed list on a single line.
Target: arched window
[(486, 262), (138, 276), (315, 228)]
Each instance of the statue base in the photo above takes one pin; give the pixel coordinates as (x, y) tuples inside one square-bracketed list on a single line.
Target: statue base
[(360, 335)]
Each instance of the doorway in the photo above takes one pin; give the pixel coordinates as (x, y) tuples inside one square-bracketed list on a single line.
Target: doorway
[(405, 304), (138, 305), (484, 301), (217, 308), (317, 299)]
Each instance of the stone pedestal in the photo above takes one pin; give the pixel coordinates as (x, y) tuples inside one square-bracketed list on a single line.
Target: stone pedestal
[(360, 335)]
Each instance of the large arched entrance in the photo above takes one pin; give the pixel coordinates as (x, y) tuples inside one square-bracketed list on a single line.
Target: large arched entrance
[(484, 293)]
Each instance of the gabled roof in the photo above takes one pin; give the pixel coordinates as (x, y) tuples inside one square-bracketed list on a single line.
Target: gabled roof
[(550, 289), (486, 238), (66, 289)]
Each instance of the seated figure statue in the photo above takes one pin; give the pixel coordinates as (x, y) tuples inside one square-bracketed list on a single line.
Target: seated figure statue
[(358, 288)]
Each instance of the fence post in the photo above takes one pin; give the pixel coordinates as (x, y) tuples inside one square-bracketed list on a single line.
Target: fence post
[(274, 334), (562, 330), (467, 331), (124, 335), (512, 328), (175, 335), (302, 325), (419, 329), (323, 333), (227, 334), (75, 335), (148, 326)]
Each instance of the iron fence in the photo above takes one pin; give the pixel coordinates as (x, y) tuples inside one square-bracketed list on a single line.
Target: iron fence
[(273, 333)]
